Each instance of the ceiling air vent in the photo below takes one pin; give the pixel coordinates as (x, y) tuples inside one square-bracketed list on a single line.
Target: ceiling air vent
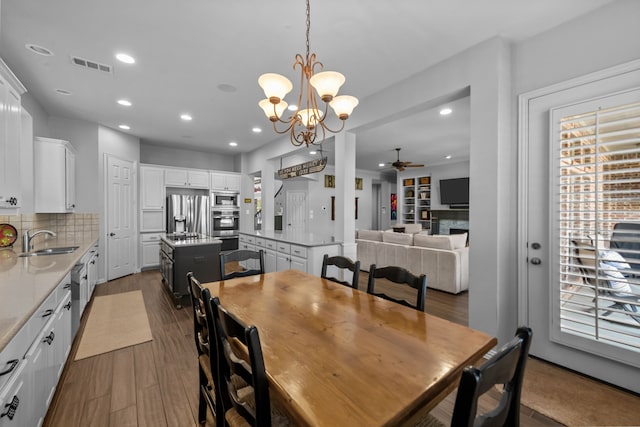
[(92, 65)]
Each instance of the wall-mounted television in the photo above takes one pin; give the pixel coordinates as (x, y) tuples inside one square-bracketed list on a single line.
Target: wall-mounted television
[(454, 192)]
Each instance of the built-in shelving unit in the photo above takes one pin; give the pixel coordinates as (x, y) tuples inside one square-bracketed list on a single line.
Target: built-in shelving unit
[(416, 201)]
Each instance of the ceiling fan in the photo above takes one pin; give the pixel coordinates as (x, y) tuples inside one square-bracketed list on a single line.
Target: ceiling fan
[(401, 165)]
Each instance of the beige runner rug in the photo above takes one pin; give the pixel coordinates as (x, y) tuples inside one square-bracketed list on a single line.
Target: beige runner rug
[(575, 400), (115, 321)]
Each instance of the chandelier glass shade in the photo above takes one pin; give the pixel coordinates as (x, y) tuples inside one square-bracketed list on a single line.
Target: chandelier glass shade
[(309, 118)]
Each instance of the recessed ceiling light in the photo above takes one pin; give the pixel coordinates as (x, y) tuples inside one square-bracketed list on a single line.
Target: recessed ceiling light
[(446, 111), (63, 92), (125, 127), (127, 59), (124, 102), (447, 157), (39, 49), (186, 117), (233, 144), (381, 164), (256, 130), (313, 152), (292, 107)]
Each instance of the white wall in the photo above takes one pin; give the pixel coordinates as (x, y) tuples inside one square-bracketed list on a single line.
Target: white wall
[(167, 156)]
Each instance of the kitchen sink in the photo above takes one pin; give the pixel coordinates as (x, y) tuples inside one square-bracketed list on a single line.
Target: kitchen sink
[(51, 251)]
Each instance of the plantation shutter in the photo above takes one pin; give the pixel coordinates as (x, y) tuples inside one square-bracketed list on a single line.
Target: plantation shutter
[(596, 219)]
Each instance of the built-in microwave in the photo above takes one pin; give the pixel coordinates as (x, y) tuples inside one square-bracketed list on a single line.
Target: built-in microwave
[(225, 219), (225, 199)]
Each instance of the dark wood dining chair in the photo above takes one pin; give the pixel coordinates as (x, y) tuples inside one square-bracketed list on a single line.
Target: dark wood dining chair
[(506, 367), (242, 372), (208, 382), (401, 277), (343, 263), (230, 266)]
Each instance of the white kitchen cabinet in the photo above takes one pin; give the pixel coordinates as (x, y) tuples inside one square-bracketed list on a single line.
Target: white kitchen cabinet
[(225, 181), (191, 178), (152, 197), (10, 135), (150, 250), (54, 175), (151, 187), (270, 260), (15, 400)]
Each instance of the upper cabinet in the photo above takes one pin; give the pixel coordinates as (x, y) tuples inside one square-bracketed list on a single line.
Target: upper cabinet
[(54, 173), (152, 187), (225, 181), (10, 133), (186, 178)]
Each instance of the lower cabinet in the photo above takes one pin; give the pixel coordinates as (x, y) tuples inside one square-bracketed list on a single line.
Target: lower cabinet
[(38, 353), (149, 250)]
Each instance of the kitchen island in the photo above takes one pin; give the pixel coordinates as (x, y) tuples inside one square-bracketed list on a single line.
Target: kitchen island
[(287, 250), (182, 253)]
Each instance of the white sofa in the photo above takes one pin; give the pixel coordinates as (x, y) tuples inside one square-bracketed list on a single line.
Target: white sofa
[(443, 258)]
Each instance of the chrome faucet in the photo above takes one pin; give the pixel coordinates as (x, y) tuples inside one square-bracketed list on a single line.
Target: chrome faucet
[(27, 237)]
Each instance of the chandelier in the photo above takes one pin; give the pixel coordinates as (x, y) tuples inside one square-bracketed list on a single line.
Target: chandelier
[(308, 119)]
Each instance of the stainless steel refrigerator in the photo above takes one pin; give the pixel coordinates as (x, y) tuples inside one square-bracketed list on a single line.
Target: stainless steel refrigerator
[(187, 214)]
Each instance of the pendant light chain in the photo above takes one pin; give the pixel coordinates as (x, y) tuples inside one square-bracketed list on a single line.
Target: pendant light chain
[(308, 26)]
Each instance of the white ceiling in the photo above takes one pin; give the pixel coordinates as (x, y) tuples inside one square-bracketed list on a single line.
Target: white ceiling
[(186, 51)]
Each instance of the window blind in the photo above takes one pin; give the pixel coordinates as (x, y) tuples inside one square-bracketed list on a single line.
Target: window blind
[(598, 224)]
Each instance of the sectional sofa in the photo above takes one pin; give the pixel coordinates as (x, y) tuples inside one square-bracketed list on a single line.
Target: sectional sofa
[(443, 258)]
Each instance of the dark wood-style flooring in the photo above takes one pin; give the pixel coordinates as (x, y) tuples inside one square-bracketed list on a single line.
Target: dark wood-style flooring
[(156, 383)]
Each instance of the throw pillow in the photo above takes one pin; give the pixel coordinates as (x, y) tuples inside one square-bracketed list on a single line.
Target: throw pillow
[(435, 242), (397, 238), (459, 241)]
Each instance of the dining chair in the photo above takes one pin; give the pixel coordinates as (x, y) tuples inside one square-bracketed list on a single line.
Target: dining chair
[(230, 263), (342, 263), (242, 372), (401, 277), (506, 367), (208, 382)]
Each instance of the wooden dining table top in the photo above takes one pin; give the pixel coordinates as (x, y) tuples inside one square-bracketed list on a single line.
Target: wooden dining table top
[(337, 356)]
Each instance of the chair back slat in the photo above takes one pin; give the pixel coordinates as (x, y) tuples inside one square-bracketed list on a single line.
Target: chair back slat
[(343, 263), (253, 263), (402, 277)]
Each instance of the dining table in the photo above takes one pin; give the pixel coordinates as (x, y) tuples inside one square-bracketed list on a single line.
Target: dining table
[(337, 356)]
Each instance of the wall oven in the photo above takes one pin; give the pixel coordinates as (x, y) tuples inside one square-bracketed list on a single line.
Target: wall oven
[(226, 199), (225, 219)]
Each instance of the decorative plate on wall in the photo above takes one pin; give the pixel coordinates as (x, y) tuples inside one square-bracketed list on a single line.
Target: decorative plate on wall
[(8, 235)]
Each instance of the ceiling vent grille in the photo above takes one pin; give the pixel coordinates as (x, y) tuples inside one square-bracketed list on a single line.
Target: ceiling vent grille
[(92, 65)]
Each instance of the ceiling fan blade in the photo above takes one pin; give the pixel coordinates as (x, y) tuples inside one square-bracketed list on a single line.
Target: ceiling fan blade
[(414, 166)]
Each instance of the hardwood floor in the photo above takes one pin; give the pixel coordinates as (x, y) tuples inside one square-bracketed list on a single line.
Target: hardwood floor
[(156, 383)]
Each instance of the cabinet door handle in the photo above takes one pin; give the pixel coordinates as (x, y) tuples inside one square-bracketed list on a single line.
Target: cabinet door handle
[(49, 338), (85, 277), (47, 313), (12, 407), (67, 286), (13, 363), (68, 305)]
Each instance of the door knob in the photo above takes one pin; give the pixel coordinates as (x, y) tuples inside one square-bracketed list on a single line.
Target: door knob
[(536, 245), (536, 261), (112, 234)]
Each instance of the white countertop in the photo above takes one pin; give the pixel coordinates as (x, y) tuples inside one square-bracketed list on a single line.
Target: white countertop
[(25, 283), (302, 239), (192, 241)]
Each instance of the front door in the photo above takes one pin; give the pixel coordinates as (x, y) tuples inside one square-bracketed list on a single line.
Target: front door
[(120, 214), (559, 209)]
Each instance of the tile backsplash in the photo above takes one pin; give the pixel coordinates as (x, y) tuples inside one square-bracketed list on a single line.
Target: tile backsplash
[(69, 227)]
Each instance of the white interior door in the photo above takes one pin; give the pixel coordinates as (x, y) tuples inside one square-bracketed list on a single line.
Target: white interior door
[(541, 238), (120, 218), (296, 218)]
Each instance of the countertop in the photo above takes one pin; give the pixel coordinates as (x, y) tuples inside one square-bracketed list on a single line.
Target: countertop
[(302, 239), (25, 283), (194, 241)]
